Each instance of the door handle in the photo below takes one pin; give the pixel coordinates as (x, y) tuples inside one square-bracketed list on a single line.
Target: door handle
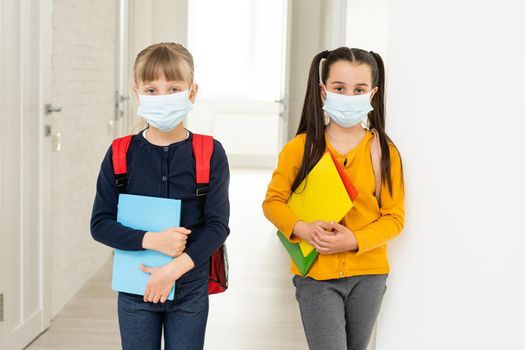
[(49, 108), (119, 105), (284, 107)]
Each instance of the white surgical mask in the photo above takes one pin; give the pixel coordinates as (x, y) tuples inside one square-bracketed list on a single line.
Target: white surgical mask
[(165, 112), (347, 111)]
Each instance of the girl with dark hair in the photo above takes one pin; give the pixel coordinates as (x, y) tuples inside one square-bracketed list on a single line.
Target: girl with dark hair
[(344, 112)]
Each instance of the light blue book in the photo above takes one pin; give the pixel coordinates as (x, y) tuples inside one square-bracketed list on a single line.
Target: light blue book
[(149, 214)]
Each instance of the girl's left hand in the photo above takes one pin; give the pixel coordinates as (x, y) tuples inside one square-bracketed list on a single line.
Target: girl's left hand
[(160, 282), (339, 239)]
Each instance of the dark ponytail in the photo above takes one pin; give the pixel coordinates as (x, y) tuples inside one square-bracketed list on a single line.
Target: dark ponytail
[(312, 122), (312, 117), (377, 118)]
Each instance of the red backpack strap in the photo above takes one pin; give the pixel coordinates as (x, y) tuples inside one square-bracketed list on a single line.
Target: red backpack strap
[(202, 149), (119, 148), (218, 273)]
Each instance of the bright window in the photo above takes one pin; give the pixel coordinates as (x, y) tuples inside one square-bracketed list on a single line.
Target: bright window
[(238, 48)]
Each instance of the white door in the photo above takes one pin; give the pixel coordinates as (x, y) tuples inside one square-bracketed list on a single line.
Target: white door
[(240, 49), (25, 27), (121, 124)]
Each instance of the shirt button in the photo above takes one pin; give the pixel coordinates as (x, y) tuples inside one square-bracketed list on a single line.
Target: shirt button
[(164, 178), (166, 149), (341, 274)]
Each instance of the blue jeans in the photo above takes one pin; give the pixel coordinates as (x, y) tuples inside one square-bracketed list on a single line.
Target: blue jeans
[(183, 318)]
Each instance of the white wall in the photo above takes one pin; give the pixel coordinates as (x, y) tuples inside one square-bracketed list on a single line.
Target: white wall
[(83, 78), (316, 26), (150, 22), (456, 111), (154, 21), (367, 25), (307, 38)]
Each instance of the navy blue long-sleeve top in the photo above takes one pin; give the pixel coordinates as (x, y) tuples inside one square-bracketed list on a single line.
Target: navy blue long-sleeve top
[(167, 172)]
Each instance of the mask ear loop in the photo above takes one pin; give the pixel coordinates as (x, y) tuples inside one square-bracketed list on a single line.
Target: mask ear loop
[(326, 117), (321, 62), (366, 124), (325, 53)]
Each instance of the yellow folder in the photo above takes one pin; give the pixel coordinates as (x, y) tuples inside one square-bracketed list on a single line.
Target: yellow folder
[(321, 196)]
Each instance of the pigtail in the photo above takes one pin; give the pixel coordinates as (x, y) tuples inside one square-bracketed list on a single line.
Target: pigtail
[(312, 122), (377, 120)]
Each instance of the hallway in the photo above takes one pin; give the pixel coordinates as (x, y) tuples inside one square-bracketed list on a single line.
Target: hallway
[(70, 88), (258, 311)]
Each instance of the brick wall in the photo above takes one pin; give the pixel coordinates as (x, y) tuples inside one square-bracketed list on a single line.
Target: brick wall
[(83, 78)]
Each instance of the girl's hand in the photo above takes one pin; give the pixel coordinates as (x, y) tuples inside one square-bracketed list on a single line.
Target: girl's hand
[(305, 230), (160, 282), (338, 239), (171, 241), (162, 278)]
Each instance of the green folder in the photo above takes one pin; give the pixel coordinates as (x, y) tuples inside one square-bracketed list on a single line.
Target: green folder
[(304, 263)]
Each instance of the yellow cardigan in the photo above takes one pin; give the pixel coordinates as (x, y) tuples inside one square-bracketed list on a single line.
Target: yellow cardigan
[(372, 226)]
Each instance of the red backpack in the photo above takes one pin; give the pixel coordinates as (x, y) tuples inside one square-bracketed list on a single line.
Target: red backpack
[(202, 150)]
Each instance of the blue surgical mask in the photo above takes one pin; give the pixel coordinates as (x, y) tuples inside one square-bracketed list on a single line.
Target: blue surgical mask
[(165, 112), (347, 111)]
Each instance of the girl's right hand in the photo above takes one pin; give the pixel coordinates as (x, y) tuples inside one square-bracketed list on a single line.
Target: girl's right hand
[(305, 230), (171, 241)]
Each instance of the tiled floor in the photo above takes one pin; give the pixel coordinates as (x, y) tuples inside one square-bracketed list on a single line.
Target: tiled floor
[(258, 311)]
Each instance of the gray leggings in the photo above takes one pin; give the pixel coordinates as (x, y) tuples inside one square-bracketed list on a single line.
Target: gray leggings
[(339, 314)]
